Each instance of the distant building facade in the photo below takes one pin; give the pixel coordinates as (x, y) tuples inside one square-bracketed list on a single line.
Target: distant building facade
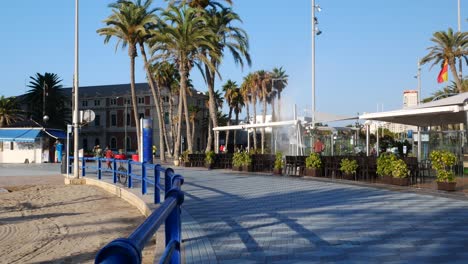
[(114, 122)]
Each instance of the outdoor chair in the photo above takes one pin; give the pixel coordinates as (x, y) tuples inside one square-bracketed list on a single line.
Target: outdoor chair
[(290, 164)]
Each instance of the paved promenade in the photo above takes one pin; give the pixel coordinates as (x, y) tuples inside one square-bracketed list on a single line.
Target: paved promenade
[(237, 218)]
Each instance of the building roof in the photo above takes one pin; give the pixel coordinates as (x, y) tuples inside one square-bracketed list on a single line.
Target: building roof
[(449, 110)]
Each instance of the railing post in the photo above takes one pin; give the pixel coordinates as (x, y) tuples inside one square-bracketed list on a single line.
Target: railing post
[(83, 167), (99, 168), (167, 180), (173, 224), (114, 170), (157, 179), (129, 171), (143, 178)]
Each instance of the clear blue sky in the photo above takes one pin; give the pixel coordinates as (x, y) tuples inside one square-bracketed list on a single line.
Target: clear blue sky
[(366, 55)]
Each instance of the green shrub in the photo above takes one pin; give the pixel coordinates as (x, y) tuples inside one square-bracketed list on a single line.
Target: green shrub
[(246, 159), (209, 157), (237, 159), (442, 161), (400, 169), (384, 164), (313, 161), (185, 156), (279, 160), (348, 166)]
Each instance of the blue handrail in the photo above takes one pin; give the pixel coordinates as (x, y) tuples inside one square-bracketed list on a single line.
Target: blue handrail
[(128, 250)]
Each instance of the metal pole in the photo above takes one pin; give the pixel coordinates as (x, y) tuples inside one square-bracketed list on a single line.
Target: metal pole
[(313, 63), (75, 114), (367, 140), (459, 16), (43, 98), (377, 143), (419, 144), (419, 82), (125, 127)]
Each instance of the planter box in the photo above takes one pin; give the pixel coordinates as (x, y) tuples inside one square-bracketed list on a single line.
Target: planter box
[(348, 176), (247, 168), (278, 171), (238, 168), (312, 172), (446, 186), (400, 181), (387, 179)]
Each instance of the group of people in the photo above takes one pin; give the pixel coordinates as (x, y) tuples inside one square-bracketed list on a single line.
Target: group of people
[(108, 154)]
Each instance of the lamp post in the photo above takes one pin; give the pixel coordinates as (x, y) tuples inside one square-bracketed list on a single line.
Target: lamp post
[(75, 86), (315, 31)]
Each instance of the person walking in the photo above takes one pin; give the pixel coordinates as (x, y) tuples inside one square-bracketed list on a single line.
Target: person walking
[(109, 155)]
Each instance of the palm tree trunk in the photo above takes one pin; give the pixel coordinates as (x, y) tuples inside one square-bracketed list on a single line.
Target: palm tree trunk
[(179, 128), (156, 102), (161, 105), (171, 121), (210, 79), (132, 54), (455, 75), (235, 131), (254, 106), (193, 130), (263, 121), (228, 123), (210, 136), (279, 106), (183, 85)]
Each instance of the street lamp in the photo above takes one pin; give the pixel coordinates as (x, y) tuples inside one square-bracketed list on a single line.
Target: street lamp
[(315, 31), (125, 122), (75, 86)]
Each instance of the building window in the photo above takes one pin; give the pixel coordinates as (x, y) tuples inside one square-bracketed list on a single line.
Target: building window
[(84, 103), (97, 120), (113, 120), (113, 101), (128, 145), (113, 143), (128, 119), (12, 144), (97, 102), (141, 115), (141, 100), (96, 142)]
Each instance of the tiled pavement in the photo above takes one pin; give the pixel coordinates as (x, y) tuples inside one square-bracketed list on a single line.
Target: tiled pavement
[(239, 218)]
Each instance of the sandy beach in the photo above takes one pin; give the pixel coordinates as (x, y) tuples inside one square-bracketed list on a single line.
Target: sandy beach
[(60, 223)]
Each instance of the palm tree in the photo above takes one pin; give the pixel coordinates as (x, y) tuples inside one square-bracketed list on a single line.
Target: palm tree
[(180, 39), (193, 110), (128, 24), (219, 105), (229, 89), (280, 81), (263, 84), (449, 47), (10, 111), (47, 87), (227, 37), (237, 104), (198, 3)]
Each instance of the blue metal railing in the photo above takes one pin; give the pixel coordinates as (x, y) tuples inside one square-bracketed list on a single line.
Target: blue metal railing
[(128, 250), (146, 173)]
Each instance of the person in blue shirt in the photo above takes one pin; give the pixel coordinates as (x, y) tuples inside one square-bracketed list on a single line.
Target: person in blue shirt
[(58, 151)]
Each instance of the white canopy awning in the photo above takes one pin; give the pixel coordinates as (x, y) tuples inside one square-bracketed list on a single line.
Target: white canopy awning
[(450, 110)]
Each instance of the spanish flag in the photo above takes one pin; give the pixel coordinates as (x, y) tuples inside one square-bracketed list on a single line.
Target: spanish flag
[(443, 74)]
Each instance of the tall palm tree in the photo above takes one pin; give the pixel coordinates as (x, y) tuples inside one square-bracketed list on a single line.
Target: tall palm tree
[(10, 111), (180, 39), (263, 84), (193, 111), (229, 89), (46, 97), (280, 81), (245, 92), (227, 36), (449, 47), (219, 105), (127, 24), (237, 104)]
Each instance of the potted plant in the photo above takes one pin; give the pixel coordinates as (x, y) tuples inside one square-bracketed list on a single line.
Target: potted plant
[(442, 161), (237, 161), (185, 159), (277, 170), (349, 168), (384, 167), (209, 159), (246, 161), (313, 164), (400, 173)]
